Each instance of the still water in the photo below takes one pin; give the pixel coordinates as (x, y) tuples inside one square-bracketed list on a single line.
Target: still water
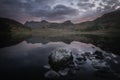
[(28, 60)]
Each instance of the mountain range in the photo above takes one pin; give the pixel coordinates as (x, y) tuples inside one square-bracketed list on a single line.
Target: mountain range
[(46, 24), (107, 21)]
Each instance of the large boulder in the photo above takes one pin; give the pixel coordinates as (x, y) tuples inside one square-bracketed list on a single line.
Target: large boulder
[(60, 58)]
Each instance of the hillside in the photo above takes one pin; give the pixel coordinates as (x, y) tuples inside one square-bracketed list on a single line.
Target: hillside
[(109, 21), (8, 25), (11, 32)]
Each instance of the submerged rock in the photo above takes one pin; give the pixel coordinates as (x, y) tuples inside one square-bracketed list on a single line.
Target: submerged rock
[(64, 72), (46, 67), (60, 58), (52, 74)]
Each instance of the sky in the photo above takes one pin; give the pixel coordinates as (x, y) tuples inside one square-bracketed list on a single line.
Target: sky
[(56, 10)]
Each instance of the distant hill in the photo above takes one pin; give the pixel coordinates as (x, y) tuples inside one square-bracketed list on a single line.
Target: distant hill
[(107, 21), (34, 24), (68, 22), (46, 24), (7, 25), (11, 32)]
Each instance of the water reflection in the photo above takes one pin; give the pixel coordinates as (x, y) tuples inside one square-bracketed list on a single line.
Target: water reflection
[(110, 43), (25, 59), (31, 61), (8, 39)]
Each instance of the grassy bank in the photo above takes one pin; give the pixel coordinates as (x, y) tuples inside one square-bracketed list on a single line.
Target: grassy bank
[(62, 32)]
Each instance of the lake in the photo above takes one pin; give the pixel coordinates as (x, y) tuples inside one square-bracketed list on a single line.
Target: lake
[(93, 58)]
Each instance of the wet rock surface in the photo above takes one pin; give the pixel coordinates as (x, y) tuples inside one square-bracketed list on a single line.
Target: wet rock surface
[(84, 60), (60, 58), (52, 74)]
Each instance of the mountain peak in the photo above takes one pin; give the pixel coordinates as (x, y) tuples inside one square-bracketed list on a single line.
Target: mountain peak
[(68, 22), (44, 21)]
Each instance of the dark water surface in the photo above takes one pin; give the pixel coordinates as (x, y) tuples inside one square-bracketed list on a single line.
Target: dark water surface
[(110, 43), (29, 59)]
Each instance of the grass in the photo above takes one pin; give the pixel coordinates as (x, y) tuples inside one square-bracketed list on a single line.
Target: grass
[(50, 32), (61, 32)]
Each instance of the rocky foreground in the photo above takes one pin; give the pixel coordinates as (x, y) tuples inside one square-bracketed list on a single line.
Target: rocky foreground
[(81, 61)]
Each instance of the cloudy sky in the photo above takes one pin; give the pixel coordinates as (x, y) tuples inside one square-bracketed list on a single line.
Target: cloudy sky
[(56, 10)]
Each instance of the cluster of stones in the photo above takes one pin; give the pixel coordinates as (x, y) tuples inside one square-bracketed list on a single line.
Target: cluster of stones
[(64, 61)]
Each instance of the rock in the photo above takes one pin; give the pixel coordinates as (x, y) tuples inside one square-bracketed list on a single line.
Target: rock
[(72, 71), (100, 65), (87, 54), (64, 72), (80, 59), (60, 58), (46, 66), (98, 55), (52, 74)]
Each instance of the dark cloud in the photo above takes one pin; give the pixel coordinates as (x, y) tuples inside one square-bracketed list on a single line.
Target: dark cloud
[(17, 8), (103, 4), (25, 4), (55, 9), (55, 13), (107, 6), (97, 7), (86, 5)]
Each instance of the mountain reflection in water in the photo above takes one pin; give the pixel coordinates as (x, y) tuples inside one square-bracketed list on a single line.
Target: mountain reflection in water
[(30, 61)]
